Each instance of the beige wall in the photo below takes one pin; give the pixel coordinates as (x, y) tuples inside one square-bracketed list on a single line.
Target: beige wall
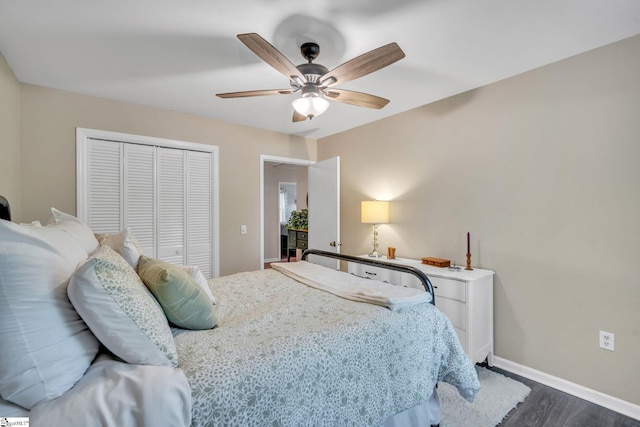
[(10, 137), (543, 170), (49, 120)]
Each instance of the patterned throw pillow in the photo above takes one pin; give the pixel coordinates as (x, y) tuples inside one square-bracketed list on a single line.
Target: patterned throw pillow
[(183, 301), (120, 311)]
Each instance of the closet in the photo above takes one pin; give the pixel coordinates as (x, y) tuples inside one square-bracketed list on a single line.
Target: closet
[(164, 191)]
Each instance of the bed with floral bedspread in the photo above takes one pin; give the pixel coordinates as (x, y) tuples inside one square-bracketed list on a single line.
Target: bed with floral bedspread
[(285, 354)]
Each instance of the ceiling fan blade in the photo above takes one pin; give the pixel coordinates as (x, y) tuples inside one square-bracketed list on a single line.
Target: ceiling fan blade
[(255, 93), (270, 55), (364, 64), (357, 98), (297, 117)]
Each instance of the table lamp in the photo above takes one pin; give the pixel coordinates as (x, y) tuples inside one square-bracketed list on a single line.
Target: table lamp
[(374, 212)]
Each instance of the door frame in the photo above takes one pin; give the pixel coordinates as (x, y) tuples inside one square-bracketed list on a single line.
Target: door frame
[(273, 159)]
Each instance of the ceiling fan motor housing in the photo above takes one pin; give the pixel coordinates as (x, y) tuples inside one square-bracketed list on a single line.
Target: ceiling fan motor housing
[(310, 51), (312, 72)]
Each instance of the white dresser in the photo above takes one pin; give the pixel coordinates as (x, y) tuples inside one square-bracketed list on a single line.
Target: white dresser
[(465, 297)]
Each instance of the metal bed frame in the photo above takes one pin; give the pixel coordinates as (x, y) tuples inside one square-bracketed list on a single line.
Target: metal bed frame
[(377, 263)]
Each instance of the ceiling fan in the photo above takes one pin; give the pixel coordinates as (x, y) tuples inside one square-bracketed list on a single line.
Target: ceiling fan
[(314, 81)]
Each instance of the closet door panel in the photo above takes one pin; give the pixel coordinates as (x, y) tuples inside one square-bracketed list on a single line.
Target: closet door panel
[(140, 195), (199, 211), (171, 205), (104, 178), (164, 191)]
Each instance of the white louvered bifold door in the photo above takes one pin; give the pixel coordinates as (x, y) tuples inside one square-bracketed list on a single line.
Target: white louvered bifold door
[(199, 211), (140, 195), (171, 205), (104, 179), (164, 191)]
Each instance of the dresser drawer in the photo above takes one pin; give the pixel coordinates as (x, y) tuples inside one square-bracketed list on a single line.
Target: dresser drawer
[(454, 310), (410, 281), (376, 273), (448, 288), (302, 244), (302, 235)]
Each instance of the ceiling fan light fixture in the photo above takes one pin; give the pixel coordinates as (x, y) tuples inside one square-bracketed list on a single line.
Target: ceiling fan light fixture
[(313, 80), (310, 105)]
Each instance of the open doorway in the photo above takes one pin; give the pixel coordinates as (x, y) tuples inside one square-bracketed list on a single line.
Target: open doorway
[(317, 189), (276, 171)]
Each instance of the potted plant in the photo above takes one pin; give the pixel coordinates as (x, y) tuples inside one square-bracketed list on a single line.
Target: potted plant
[(299, 220)]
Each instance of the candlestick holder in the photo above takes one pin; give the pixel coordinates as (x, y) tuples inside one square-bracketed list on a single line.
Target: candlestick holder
[(468, 262)]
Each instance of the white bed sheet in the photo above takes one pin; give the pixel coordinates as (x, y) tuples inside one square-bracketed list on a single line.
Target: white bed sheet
[(115, 393), (426, 414), (352, 287)]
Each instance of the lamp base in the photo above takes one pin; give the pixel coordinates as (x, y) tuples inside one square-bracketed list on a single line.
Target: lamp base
[(374, 253)]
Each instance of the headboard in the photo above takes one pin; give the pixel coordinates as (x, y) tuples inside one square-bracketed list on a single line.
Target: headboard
[(5, 211), (397, 267)]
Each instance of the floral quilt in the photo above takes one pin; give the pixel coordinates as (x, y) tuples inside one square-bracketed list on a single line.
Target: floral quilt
[(285, 354)]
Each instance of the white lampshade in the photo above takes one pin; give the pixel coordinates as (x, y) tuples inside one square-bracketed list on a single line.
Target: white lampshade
[(311, 106), (374, 212)]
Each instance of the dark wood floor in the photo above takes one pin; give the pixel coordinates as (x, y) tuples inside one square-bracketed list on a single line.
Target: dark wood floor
[(548, 407)]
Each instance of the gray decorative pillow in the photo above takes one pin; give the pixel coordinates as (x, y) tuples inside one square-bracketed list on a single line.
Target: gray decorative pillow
[(183, 301), (120, 311)]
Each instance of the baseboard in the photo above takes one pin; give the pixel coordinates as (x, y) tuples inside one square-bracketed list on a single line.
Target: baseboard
[(593, 396), (271, 260)]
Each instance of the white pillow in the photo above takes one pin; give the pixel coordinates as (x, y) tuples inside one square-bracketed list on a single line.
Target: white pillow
[(45, 347), (197, 275), (123, 244), (58, 215), (120, 311), (88, 240)]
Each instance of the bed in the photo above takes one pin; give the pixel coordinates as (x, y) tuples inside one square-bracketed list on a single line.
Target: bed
[(285, 351)]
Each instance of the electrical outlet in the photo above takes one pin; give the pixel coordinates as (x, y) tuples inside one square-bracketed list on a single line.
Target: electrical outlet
[(607, 340), (243, 229)]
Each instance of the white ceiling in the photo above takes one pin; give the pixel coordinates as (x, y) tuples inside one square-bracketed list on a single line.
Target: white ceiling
[(177, 54)]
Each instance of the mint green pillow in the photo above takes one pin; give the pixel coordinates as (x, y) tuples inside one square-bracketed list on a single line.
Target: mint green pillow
[(184, 303)]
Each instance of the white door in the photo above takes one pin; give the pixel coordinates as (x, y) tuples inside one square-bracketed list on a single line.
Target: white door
[(324, 209), (171, 210), (139, 188), (200, 208)]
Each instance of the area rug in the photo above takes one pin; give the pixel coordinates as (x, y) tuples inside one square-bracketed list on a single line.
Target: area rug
[(498, 396)]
